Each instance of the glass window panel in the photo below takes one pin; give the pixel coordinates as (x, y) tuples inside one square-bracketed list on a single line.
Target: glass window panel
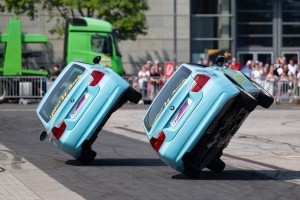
[(291, 16), (254, 5), (202, 46), (255, 41), (291, 41), (210, 27), (210, 6), (254, 29), (244, 57), (265, 58), (291, 29), (290, 5), (255, 16)]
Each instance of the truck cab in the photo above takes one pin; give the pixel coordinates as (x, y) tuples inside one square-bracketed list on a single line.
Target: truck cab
[(86, 38)]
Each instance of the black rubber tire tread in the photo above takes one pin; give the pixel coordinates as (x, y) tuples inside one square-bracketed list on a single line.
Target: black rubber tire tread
[(217, 165), (191, 171), (265, 99), (87, 156), (246, 100), (132, 95)]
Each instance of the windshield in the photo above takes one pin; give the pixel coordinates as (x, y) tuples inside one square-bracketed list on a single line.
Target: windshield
[(168, 91), (60, 91), (101, 44)]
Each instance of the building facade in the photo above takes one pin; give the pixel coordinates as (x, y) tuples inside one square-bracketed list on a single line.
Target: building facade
[(247, 29)]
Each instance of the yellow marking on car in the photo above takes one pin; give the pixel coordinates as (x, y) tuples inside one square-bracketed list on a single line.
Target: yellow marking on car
[(62, 98), (168, 100), (239, 78)]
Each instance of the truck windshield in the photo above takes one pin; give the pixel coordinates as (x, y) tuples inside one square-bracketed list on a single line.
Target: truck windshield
[(61, 90), (165, 96), (101, 44)]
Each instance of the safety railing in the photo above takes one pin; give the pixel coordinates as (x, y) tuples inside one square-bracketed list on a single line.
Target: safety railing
[(33, 87), (282, 91), (27, 87)]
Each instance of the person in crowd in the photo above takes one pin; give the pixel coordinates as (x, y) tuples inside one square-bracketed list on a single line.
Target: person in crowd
[(265, 70), (56, 70), (210, 63), (298, 80), (235, 65), (292, 66), (149, 65), (154, 82), (247, 70), (270, 80), (144, 77), (256, 73)]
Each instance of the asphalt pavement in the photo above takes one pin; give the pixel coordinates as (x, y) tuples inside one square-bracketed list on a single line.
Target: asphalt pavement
[(262, 161)]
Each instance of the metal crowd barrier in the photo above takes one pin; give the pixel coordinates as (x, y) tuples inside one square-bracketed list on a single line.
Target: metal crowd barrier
[(22, 87), (35, 87), (282, 91)]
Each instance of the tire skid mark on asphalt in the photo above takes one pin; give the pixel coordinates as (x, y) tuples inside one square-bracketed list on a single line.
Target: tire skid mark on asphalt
[(279, 173)]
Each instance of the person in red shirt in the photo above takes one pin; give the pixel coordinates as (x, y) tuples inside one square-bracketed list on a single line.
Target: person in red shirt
[(235, 65)]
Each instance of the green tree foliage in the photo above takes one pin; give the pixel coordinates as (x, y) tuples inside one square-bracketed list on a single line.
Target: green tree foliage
[(127, 16)]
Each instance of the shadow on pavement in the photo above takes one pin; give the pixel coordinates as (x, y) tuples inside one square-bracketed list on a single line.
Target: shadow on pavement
[(139, 162), (243, 175)]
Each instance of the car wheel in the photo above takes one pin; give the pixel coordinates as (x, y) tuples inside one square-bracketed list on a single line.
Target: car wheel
[(191, 171), (87, 156), (264, 98), (246, 100), (217, 165), (132, 95)]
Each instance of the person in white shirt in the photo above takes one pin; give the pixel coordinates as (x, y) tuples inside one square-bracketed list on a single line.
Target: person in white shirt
[(292, 67)]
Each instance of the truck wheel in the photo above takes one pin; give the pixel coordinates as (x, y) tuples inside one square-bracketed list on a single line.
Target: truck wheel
[(191, 171), (217, 165), (87, 156), (4, 89), (264, 98), (246, 100), (132, 95)]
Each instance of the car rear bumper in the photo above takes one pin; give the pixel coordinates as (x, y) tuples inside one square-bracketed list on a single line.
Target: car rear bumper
[(71, 140), (199, 121)]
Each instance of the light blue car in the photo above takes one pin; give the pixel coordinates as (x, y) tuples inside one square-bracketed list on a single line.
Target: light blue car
[(79, 103), (197, 112)]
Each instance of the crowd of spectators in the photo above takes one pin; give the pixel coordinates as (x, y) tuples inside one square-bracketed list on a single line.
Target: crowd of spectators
[(280, 79)]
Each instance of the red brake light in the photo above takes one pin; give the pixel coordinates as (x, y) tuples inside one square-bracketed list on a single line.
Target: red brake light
[(199, 81), (96, 76), (59, 129), (157, 140)]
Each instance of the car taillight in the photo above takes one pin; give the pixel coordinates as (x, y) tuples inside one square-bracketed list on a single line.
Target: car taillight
[(199, 81), (96, 76), (157, 140), (59, 129)]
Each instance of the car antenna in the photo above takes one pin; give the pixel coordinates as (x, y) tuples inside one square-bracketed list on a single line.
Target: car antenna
[(97, 60)]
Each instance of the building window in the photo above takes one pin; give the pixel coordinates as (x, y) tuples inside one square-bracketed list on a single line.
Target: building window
[(290, 23), (210, 27), (254, 23)]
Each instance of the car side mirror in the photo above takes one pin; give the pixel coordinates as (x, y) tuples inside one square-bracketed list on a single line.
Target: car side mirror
[(97, 60), (220, 61)]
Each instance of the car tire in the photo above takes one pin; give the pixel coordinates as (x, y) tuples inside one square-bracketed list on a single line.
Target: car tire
[(264, 98), (217, 165), (87, 156), (132, 95), (191, 171), (246, 100)]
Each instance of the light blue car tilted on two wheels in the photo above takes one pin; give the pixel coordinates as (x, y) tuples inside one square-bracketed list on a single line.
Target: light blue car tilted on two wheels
[(197, 112), (79, 103)]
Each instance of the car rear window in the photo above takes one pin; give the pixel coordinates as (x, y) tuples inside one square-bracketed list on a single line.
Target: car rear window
[(165, 96), (60, 91)]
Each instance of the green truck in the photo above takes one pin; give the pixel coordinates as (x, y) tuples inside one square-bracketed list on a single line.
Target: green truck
[(85, 38)]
